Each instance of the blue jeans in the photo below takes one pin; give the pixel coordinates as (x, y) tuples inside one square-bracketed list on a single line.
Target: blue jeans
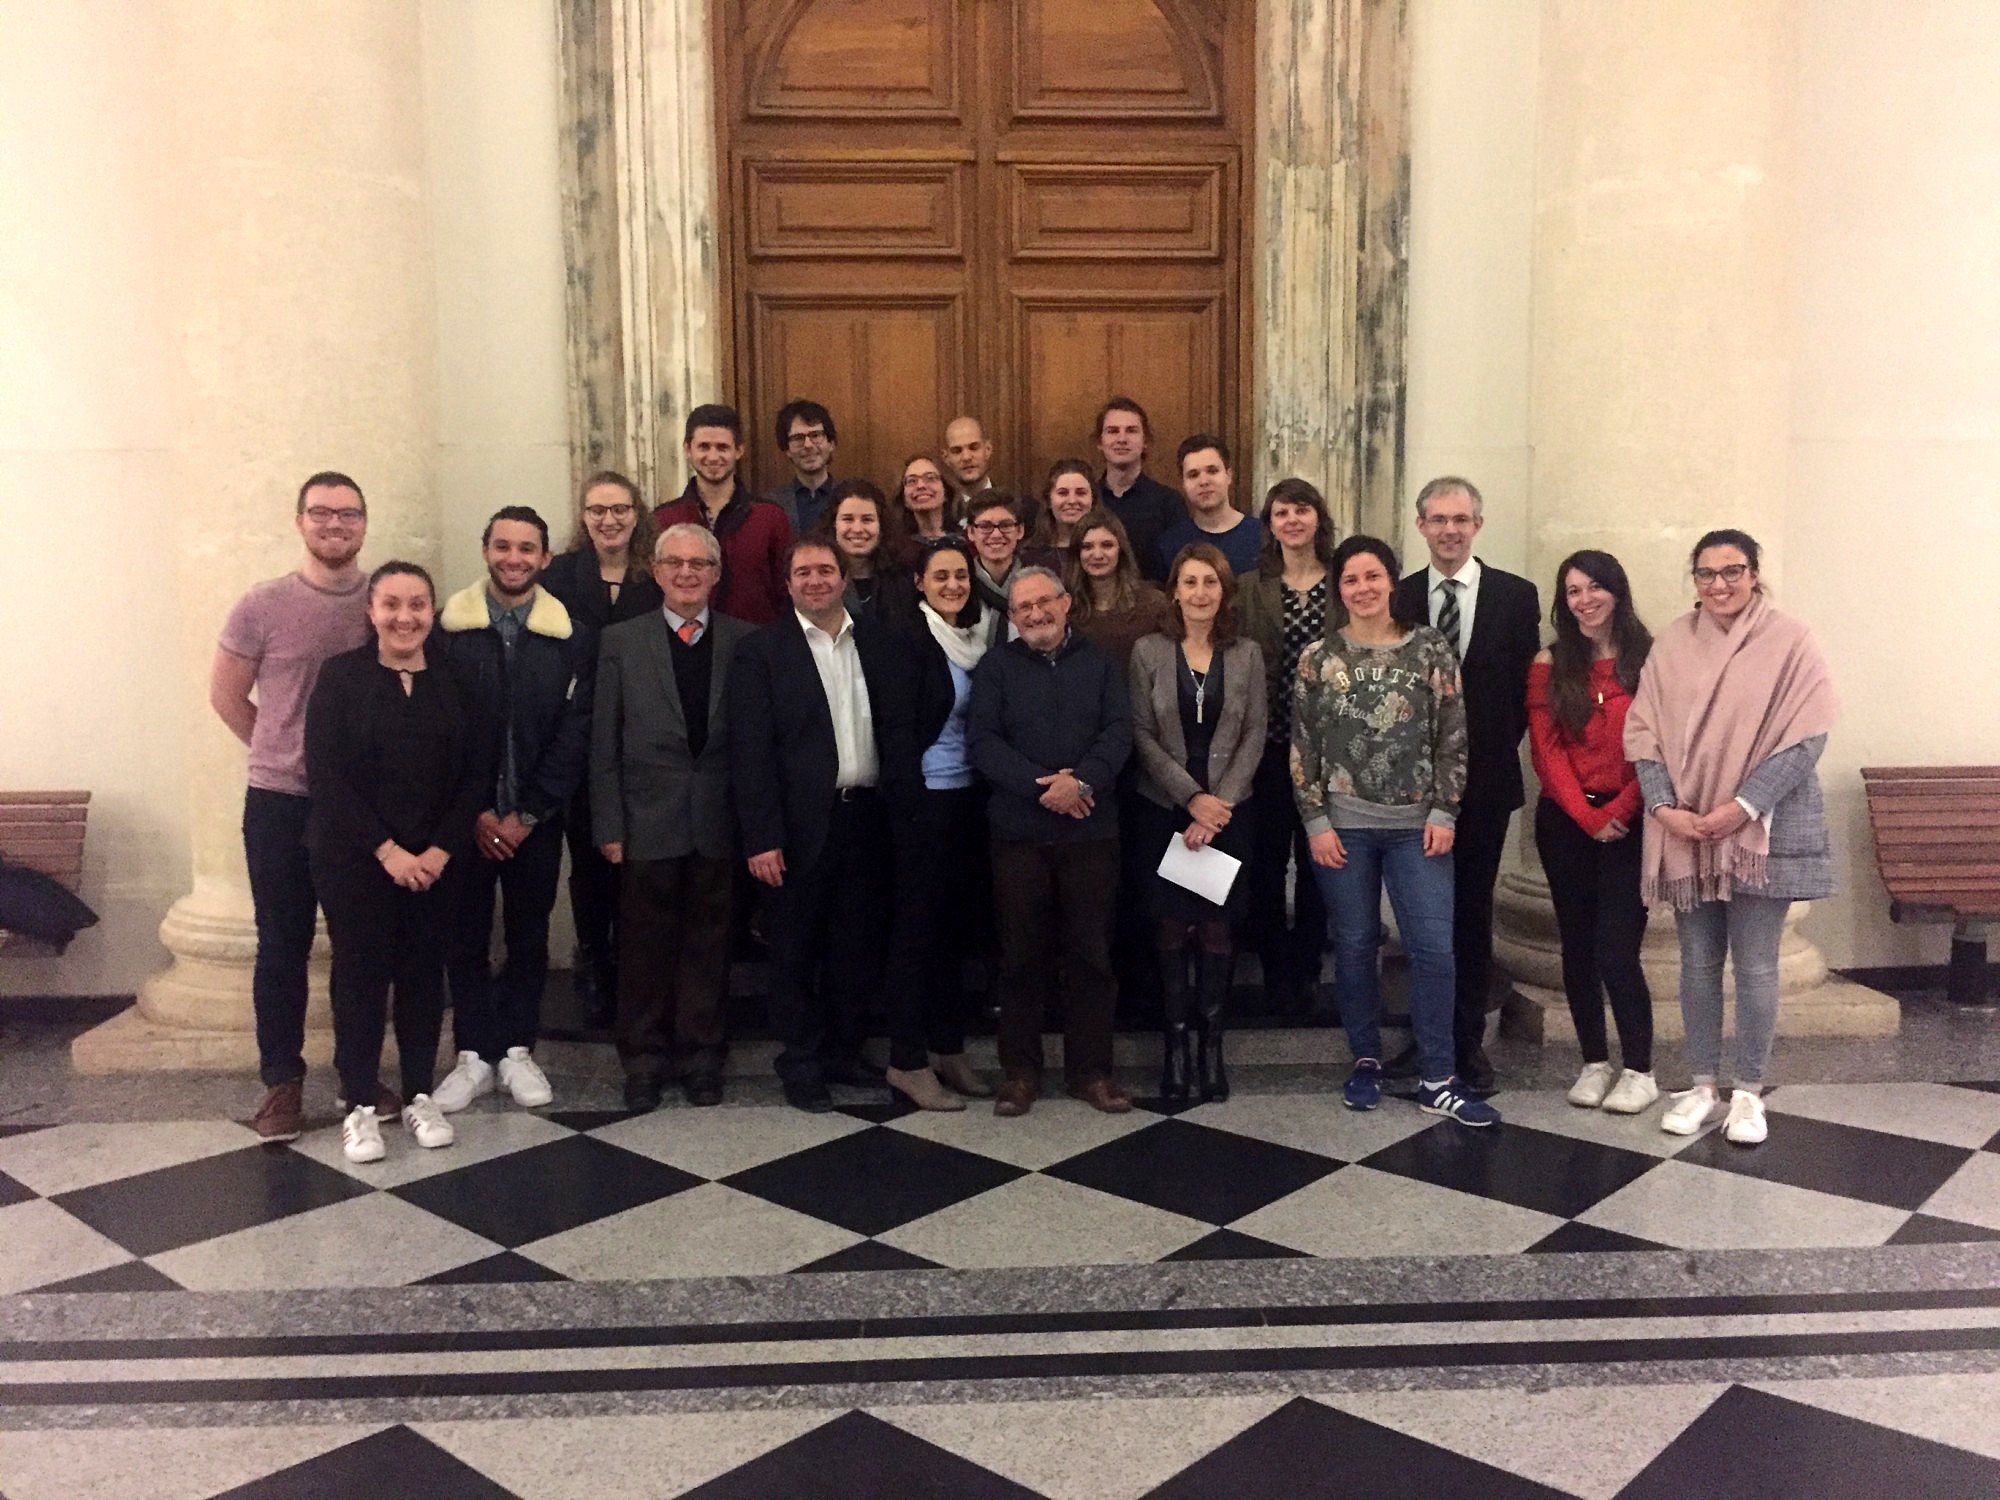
[(1748, 929), (1420, 893), (287, 907)]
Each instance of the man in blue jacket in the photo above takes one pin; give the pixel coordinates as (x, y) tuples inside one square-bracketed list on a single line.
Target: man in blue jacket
[(515, 644), (1049, 727)]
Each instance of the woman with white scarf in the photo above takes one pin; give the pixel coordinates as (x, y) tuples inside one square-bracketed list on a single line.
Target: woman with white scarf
[(943, 879)]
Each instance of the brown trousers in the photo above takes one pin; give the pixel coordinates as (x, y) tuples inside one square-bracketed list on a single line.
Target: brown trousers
[(673, 963)]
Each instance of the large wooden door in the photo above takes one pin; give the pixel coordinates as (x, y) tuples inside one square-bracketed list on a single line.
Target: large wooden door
[(1011, 208)]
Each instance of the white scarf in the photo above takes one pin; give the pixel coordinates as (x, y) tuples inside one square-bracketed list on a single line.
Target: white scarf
[(963, 644)]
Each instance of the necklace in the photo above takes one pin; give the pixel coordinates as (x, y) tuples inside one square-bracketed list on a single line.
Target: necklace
[(1200, 681)]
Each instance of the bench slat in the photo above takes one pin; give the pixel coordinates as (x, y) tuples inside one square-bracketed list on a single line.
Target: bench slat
[(1925, 773), (24, 815), (1900, 816), (42, 799)]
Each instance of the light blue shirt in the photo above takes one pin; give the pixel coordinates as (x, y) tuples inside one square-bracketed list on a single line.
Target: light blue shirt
[(947, 767)]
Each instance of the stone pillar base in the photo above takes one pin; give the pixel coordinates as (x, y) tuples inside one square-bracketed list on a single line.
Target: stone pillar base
[(131, 1043)]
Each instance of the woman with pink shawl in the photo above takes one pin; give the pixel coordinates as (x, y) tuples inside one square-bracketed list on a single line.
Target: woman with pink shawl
[(1726, 732)]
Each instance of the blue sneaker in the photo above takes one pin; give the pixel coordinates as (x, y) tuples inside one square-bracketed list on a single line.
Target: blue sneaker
[(1364, 1085), (1445, 1099)]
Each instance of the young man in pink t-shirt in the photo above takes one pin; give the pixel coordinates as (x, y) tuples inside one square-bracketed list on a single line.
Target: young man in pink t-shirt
[(266, 662)]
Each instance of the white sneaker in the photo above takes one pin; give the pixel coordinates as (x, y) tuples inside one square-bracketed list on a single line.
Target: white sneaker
[(472, 1077), (1691, 1110), (1592, 1084), (523, 1078), (1745, 1125), (361, 1135), (427, 1123), (1632, 1093)]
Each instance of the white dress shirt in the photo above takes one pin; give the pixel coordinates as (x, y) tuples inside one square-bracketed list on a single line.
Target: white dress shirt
[(675, 621), (1468, 598), (839, 664)]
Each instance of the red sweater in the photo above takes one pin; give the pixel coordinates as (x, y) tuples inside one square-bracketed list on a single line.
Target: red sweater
[(1568, 767), (754, 535)]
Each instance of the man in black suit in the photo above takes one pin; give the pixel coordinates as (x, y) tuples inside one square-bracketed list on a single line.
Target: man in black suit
[(822, 739), (1494, 619), (665, 816)]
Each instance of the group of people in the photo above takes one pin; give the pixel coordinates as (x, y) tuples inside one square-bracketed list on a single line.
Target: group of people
[(1099, 736)]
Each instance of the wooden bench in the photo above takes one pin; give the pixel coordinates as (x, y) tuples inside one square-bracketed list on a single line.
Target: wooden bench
[(1937, 840), (44, 831)]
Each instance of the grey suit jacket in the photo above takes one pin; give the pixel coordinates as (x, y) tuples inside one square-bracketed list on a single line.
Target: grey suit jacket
[(647, 791), (1156, 723)]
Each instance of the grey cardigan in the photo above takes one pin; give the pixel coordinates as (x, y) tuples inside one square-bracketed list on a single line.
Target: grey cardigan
[(1156, 723), (1799, 866)]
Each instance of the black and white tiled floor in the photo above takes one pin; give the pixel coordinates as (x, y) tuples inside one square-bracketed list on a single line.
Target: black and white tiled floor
[(1267, 1297)]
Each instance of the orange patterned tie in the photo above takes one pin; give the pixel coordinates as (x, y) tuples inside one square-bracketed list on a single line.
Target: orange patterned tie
[(688, 631)]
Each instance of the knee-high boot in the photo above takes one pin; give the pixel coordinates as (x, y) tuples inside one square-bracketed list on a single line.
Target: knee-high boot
[(1216, 970), (1177, 1068)]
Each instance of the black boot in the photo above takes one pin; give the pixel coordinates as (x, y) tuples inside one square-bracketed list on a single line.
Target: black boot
[(596, 993), (1177, 1068), (1216, 969)]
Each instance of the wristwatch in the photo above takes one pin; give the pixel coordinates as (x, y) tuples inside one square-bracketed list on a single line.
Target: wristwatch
[(527, 819), (1085, 787)]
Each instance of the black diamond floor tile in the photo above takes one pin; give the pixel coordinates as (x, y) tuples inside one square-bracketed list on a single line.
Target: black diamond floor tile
[(394, 1461), (1553, 1174), (1208, 1174), (871, 1255), (1590, 1237), (545, 1190), (198, 1200), (1897, 1171), (583, 1121), (1168, 1107), (10, 1130), (1305, 1451), (1230, 1244), (1983, 1086), (1775, 1449), (873, 1180), (12, 1192), (506, 1266), (1924, 1229), (857, 1456), (132, 1276), (1994, 1144), (878, 1113)]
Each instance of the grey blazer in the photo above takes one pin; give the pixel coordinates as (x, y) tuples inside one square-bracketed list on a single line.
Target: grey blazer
[(1156, 723), (647, 791), (1786, 785)]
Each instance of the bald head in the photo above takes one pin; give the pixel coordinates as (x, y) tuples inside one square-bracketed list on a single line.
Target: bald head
[(967, 453)]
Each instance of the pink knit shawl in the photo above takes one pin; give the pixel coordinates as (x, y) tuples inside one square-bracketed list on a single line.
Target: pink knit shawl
[(1712, 705)]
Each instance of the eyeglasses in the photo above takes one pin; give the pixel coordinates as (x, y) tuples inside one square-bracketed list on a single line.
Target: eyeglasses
[(1025, 607), (993, 528), (326, 515), (917, 481), (1733, 573), (608, 512), (798, 439), (673, 564)]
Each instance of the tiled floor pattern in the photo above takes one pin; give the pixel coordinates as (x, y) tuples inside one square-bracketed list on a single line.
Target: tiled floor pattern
[(1774, 1440), (761, 1190)]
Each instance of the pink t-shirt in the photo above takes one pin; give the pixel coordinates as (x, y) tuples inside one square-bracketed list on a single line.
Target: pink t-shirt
[(288, 627)]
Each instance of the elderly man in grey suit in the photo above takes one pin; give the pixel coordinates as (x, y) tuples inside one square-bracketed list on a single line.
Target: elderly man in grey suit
[(664, 814)]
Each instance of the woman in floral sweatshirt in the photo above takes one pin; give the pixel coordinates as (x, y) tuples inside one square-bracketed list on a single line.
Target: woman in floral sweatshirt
[(1378, 765)]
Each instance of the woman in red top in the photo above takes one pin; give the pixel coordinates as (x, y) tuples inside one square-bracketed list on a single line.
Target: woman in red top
[(1586, 824)]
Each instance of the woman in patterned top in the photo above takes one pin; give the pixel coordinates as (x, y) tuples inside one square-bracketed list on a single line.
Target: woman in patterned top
[(1378, 767), (1286, 605)]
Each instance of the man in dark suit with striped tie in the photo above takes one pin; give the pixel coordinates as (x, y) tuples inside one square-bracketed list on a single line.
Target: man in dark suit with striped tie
[(1493, 619)]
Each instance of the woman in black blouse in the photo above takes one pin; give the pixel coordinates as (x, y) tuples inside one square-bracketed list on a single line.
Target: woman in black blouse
[(1286, 605), (605, 577), (399, 766)]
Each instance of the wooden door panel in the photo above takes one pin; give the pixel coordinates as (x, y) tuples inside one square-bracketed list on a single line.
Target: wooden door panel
[(875, 210), (1111, 59), (1096, 211), (885, 363), (842, 58)]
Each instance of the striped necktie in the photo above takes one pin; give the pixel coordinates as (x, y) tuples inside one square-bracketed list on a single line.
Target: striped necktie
[(1447, 620)]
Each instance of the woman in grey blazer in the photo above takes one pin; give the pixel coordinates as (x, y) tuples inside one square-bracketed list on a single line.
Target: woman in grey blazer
[(1198, 715)]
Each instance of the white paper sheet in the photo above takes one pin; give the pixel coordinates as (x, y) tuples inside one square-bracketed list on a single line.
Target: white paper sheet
[(1206, 871)]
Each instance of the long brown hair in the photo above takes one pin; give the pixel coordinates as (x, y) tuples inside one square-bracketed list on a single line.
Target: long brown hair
[(1046, 523), (952, 514), (639, 551), (1125, 580), (1222, 634), (1572, 652), (892, 549), (1271, 556)]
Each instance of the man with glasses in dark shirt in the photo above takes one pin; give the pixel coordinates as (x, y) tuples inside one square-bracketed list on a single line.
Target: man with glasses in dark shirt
[(807, 437)]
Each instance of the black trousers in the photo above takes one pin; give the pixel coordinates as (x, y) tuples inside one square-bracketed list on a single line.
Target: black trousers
[(826, 927), (593, 887), (489, 1014), (1132, 945), (943, 891), (673, 967), (1055, 906), (383, 936), (1482, 839), (287, 907), (1288, 948), (1595, 888)]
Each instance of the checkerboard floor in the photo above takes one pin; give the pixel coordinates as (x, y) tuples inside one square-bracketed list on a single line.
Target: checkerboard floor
[(761, 1189)]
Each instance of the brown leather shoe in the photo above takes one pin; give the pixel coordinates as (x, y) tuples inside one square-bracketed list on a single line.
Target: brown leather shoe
[(1104, 1094), (1016, 1097), (956, 1072), (280, 1117)]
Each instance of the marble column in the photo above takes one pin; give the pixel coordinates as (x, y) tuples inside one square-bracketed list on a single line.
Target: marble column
[(297, 277), (1660, 368)]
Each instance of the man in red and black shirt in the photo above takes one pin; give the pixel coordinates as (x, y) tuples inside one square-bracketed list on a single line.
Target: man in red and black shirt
[(754, 533)]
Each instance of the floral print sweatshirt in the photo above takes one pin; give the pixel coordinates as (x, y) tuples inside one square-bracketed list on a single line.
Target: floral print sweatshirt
[(1378, 733)]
